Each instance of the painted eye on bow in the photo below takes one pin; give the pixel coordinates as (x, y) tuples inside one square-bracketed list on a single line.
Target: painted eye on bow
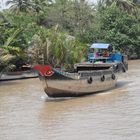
[(49, 73)]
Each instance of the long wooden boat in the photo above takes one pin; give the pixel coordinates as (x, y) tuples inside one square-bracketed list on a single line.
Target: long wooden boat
[(67, 84), (86, 78)]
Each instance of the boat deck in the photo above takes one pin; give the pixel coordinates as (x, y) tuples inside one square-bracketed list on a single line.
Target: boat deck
[(93, 66)]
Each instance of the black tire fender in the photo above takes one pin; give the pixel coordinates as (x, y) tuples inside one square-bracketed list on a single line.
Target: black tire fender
[(90, 80), (102, 78), (113, 76)]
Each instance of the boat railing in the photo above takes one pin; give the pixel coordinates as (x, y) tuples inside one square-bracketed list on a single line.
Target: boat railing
[(83, 74), (95, 73), (72, 75)]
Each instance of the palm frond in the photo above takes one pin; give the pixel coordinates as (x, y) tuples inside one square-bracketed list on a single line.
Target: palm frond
[(11, 38)]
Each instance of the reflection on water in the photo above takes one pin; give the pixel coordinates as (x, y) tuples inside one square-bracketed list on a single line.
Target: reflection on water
[(27, 113)]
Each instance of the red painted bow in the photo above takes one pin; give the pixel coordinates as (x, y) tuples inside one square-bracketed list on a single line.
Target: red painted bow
[(44, 70)]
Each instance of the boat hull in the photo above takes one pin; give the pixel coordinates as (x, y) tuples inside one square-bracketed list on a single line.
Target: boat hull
[(78, 87)]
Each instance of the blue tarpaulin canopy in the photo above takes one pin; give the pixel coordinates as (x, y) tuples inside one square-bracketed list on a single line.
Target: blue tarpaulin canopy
[(100, 46)]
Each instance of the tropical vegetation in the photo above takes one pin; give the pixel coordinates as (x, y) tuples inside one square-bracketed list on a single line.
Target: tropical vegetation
[(59, 32)]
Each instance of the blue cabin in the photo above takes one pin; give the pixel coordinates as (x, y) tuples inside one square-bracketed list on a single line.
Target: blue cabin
[(109, 57)]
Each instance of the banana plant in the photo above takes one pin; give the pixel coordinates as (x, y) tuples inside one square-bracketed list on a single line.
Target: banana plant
[(7, 53)]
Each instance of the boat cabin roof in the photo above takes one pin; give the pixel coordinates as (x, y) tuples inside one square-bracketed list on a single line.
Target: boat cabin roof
[(100, 46)]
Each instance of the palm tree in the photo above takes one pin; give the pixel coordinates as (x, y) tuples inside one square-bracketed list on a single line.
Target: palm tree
[(124, 5), (20, 5), (40, 5), (56, 49)]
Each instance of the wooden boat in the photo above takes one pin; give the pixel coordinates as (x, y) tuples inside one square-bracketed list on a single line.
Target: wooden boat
[(86, 78), (10, 76), (66, 84)]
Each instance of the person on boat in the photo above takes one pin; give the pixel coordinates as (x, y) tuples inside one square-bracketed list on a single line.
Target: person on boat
[(105, 53), (96, 54)]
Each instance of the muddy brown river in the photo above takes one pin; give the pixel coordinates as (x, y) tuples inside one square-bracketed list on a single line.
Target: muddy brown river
[(26, 113)]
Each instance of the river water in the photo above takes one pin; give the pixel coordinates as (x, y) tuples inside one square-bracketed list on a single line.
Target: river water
[(26, 113)]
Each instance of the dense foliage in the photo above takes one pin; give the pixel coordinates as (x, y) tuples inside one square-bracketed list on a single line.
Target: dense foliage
[(57, 32)]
